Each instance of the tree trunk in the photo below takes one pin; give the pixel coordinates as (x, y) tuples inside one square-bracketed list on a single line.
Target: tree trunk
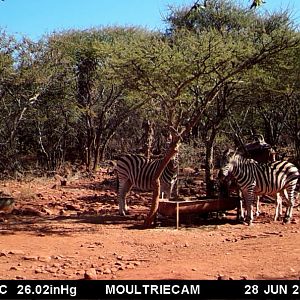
[(96, 157), (173, 149), (100, 151), (209, 166), (148, 138), (98, 140)]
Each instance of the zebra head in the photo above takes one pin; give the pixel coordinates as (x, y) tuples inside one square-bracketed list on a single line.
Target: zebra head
[(227, 163), (174, 162)]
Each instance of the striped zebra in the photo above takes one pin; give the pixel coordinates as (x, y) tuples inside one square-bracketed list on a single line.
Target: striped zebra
[(136, 171), (256, 179)]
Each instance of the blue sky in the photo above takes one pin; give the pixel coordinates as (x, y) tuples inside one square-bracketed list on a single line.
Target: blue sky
[(34, 18)]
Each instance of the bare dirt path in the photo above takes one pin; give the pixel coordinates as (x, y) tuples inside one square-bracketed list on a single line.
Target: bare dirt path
[(74, 232)]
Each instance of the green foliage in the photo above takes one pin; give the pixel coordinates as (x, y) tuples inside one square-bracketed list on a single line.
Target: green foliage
[(84, 95)]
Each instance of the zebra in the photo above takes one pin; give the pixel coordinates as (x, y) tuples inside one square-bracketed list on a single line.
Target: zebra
[(136, 171), (256, 179)]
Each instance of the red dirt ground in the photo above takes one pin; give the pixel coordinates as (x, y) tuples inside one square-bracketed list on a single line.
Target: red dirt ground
[(74, 232)]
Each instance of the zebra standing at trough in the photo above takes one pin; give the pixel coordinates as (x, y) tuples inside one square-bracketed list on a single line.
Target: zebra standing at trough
[(255, 179), (136, 171)]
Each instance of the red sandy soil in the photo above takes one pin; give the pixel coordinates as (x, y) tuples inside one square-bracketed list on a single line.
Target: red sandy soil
[(74, 232)]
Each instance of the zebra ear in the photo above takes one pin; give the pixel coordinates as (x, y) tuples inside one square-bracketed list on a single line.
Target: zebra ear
[(235, 152), (229, 152)]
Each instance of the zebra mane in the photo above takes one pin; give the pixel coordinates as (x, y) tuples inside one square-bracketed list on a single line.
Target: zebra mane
[(236, 154), (173, 163), (240, 157)]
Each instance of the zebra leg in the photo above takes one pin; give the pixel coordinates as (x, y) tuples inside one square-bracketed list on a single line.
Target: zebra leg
[(278, 211), (249, 199), (166, 189), (124, 188), (290, 193), (240, 211), (257, 213)]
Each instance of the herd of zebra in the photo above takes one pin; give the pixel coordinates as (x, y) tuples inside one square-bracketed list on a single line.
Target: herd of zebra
[(277, 179)]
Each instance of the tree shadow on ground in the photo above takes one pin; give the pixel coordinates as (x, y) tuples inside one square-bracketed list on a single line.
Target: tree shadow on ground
[(61, 225), (104, 185), (78, 222), (103, 199)]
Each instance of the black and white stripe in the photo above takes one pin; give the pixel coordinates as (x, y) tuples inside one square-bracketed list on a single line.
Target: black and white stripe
[(136, 171), (256, 179)]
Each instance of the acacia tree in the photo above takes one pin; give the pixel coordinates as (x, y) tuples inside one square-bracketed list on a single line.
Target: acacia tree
[(244, 28), (23, 83), (280, 111), (101, 94), (165, 70)]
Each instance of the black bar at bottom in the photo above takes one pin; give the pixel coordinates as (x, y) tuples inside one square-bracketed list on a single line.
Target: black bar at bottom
[(149, 289)]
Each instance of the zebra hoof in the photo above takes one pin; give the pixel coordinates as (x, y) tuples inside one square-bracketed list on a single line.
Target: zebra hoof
[(240, 220), (249, 222), (287, 221), (279, 218), (123, 213)]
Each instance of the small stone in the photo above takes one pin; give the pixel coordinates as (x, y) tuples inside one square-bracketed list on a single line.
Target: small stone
[(62, 212), (72, 207), (58, 257), (130, 266), (3, 253), (114, 269), (29, 211), (39, 271), (107, 271), (56, 265), (44, 258), (80, 272), (90, 274), (222, 277), (50, 270), (30, 257), (48, 211)]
